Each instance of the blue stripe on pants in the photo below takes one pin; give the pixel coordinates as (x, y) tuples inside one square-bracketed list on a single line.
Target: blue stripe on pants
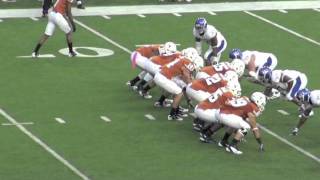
[(296, 87)]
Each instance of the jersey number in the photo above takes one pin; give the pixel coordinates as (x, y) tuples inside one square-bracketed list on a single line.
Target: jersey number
[(213, 79)]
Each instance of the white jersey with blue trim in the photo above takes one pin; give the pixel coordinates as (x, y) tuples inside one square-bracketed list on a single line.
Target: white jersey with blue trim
[(261, 58), (210, 33)]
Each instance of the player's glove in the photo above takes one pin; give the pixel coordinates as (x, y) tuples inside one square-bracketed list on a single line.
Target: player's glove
[(295, 131)]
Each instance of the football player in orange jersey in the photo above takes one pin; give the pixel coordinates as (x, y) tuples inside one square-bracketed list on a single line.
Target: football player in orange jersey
[(236, 65), (241, 114), (57, 17), (174, 76), (200, 89), (141, 57), (152, 67)]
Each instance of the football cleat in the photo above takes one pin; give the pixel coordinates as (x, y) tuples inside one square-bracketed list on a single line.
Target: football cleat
[(160, 105), (35, 54), (134, 87), (223, 144), (233, 150), (174, 117), (128, 83), (72, 54), (205, 138), (169, 101), (184, 110), (145, 95)]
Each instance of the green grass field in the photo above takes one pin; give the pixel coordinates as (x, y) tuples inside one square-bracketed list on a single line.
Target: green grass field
[(80, 90)]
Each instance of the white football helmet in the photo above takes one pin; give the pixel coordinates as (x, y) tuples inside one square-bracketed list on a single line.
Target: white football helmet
[(276, 76), (238, 65), (198, 63), (190, 53), (235, 88), (231, 76), (315, 97), (259, 99), (169, 48)]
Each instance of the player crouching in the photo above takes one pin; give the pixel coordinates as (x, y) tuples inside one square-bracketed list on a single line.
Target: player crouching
[(174, 76)]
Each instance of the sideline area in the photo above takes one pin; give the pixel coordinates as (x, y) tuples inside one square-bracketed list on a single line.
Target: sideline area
[(165, 9)]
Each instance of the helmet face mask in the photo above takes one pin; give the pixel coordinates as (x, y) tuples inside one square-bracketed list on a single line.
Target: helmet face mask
[(303, 95), (231, 76), (259, 99), (190, 53), (265, 74), (235, 88), (169, 48), (238, 65), (201, 25), (235, 54)]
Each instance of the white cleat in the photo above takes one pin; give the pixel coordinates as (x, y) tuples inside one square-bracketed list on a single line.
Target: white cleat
[(34, 55), (233, 150), (158, 105), (145, 95), (184, 110), (174, 117)]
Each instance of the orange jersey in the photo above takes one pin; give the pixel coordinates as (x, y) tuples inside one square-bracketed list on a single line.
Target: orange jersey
[(149, 51), (61, 6), (215, 101), (210, 84), (217, 68), (240, 107), (163, 60), (175, 68)]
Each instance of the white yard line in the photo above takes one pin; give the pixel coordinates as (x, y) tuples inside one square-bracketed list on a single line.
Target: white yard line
[(141, 15), (142, 45), (1, 20), (60, 120), (150, 117), (102, 36), (106, 17), (34, 18), (290, 144), (283, 28), (44, 145), (21, 123), (212, 13), (177, 14), (106, 119), (283, 112), (283, 11), (173, 8), (40, 56), (318, 10)]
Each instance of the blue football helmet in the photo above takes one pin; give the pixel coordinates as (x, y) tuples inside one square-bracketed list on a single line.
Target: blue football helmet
[(303, 95), (264, 74), (201, 25), (235, 54)]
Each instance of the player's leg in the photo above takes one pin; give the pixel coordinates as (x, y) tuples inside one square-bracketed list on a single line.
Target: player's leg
[(48, 32), (65, 27)]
